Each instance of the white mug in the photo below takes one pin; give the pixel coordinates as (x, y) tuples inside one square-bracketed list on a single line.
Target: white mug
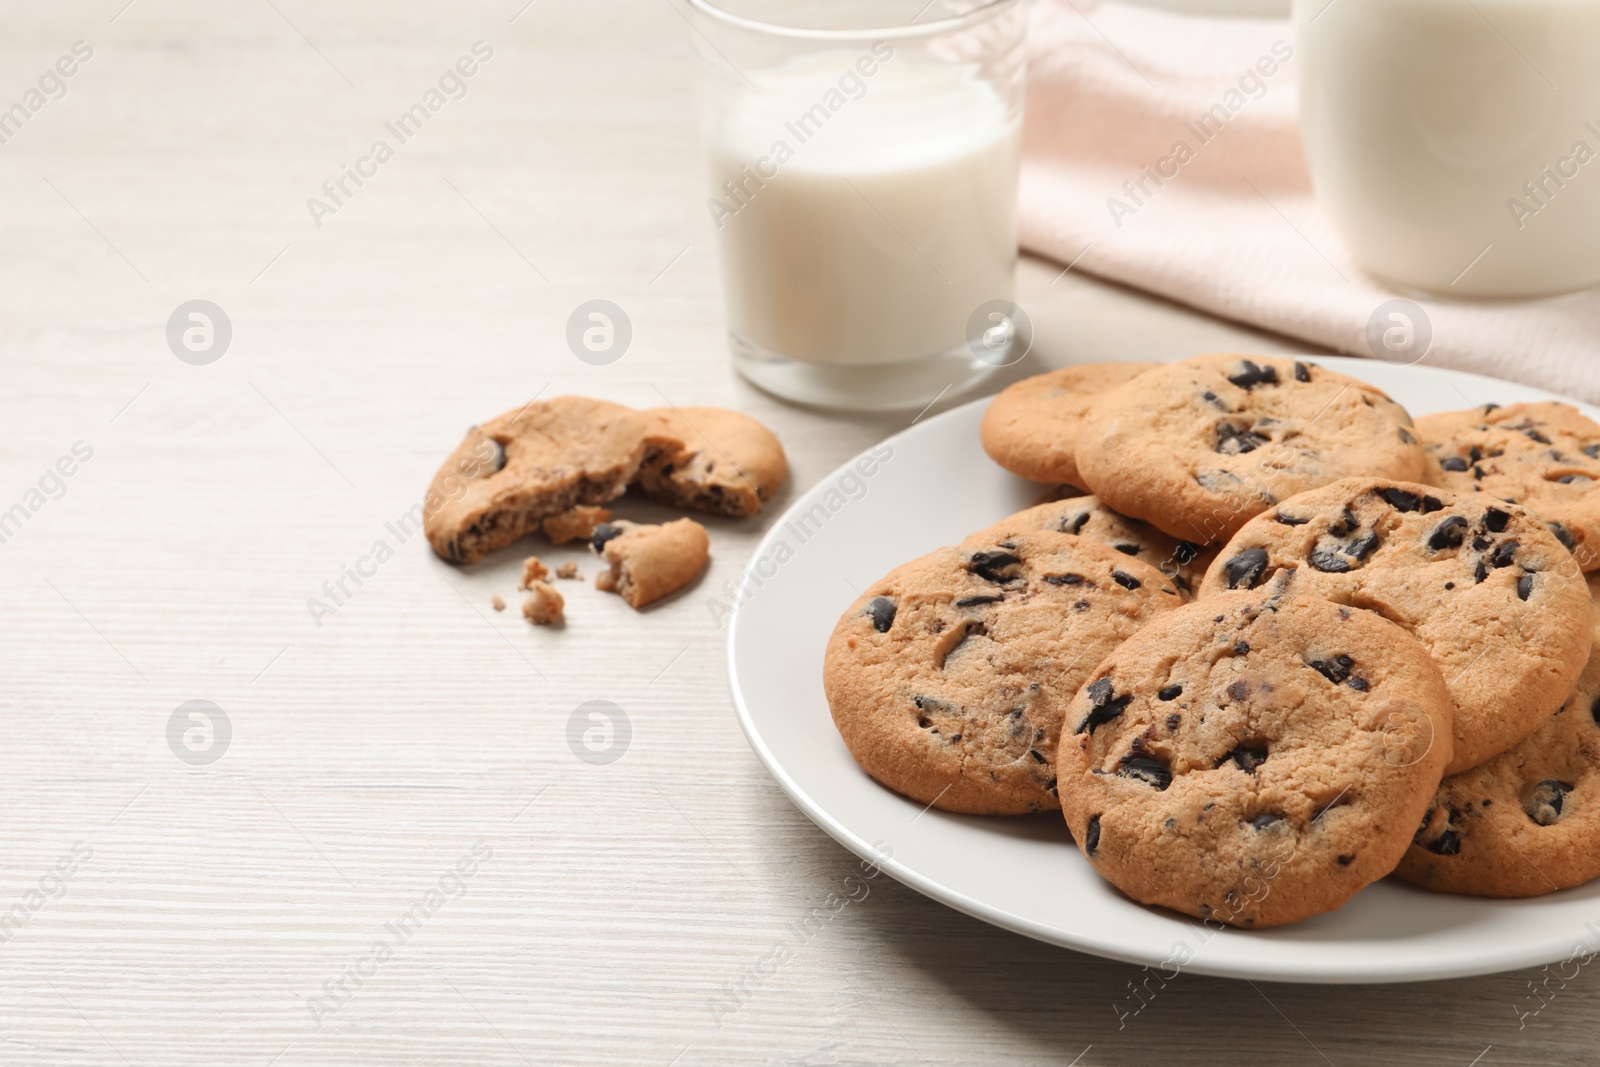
[(1455, 144)]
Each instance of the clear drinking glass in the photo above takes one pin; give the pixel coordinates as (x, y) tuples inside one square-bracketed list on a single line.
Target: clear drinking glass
[(864, 158)]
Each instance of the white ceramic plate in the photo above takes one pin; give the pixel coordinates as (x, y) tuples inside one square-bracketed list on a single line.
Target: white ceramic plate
[(932, 485)]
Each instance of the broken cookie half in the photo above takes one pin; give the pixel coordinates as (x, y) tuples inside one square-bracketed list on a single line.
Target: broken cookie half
[(543, 460)]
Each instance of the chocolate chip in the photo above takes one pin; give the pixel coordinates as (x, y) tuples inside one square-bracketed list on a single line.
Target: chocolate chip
[(1103, 705), (1241, 648), (1447, 843), (1127, 550), (1453, 463), (1147, 770), (1334, 670), (1173, 692), (1038, 757), (1592, 451), (1246, 758), (882, 610), (1448, 534), (974, 601), (1430, 504), (1401, 500), (1172, 722), (1494, 520), (1251, 374), (1246, 569), (1091, 839), (1347, 524), (1503, 553), (603, 533), (1077, 523), (1329, 562), (1212, 399), (1302, 373), (1290, 520), (1525, 587), (1127, 581), (1362, 547), (1449, 585), (1544, 802), (1594, 711), (1345, 861), (1480, 542), (1082, 605), (1239, 691), (1480, 572), (1237, 440), (499, 462), (1563, 535), (1486, 408), (1574, 479), (1063, 579), (1261, 822), (1358, 684), (992, 566)]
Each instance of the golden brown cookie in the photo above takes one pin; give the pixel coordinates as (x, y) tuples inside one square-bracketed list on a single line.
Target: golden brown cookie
[(729, 464), (1252, 759), (1030, 427), (947, 678), (1198, 447), (1484, 585), (524, 466), (649, 562), (1527, 822), (1544, 456), (1185, 564)]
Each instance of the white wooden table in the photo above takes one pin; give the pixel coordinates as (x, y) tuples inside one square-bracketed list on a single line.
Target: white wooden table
[(160, 911)]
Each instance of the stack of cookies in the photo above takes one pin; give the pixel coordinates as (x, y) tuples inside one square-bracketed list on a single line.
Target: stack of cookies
[(1289, 641)]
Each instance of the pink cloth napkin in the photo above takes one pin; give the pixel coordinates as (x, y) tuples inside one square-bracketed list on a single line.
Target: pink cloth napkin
[(1112, 89)]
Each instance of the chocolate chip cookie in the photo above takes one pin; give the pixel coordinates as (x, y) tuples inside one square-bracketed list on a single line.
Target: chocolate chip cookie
[(1482, 584), (1544, 456), (1253, 759), (729, 464), (510, 474), (1198, 447), (1527, 822), (1030, 427), (948, 677), (1184, 564)]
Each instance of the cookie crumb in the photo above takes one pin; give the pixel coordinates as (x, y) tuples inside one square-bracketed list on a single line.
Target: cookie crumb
[(544, 605), (533, 569), (574, 525), (568, 570), (498, 603), (650, 562)]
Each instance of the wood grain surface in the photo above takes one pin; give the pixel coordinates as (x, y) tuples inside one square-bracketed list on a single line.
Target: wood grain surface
[(399, 772)]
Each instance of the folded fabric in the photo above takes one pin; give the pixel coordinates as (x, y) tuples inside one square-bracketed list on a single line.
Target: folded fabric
[(1163, 151)]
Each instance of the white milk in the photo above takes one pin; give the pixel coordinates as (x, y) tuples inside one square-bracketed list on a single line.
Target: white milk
[(1436, 129), (863, 217)]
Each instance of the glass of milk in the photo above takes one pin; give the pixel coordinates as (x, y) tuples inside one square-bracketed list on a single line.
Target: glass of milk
[(1455, 144), (864, 158)]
